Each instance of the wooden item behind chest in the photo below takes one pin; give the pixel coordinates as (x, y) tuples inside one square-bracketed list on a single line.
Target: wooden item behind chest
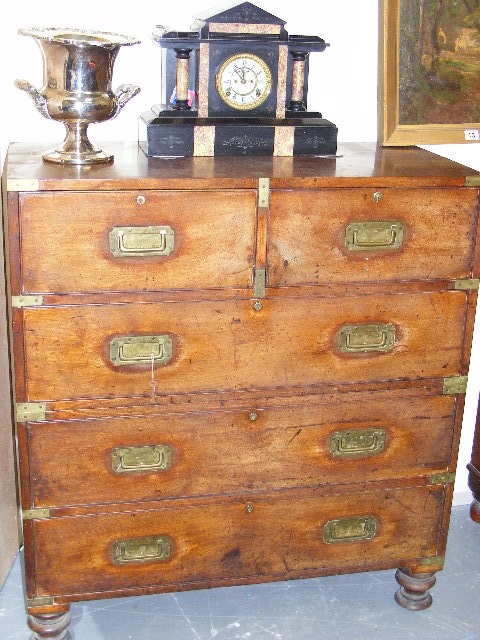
[(230, 372)]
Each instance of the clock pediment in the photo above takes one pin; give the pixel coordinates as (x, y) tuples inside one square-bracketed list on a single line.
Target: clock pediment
[(237, 18), (244, 12)]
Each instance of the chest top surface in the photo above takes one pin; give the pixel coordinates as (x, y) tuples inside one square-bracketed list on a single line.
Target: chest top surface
[(356, 164)]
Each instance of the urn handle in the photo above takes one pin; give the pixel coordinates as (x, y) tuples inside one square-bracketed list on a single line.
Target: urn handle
[(39, 100), (124, 93)]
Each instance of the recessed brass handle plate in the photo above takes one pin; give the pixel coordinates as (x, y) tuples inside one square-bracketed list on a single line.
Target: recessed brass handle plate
[(141, 241), (350, 529), (141, 550), (131, 350), (361, 338), (357, 442), (374, 236), (156, 457)]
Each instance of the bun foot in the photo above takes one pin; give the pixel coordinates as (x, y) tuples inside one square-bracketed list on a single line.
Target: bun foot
[(50, 626), (475, 511), (413, 593)]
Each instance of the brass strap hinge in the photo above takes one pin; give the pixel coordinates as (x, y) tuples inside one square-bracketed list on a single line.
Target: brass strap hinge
[(35, 514), (472, 181), (46, 601), (263, 193), (23, 185), (454, 385), (18, 302), (466, 284), (442, 478), (31, 411), (259, 283)]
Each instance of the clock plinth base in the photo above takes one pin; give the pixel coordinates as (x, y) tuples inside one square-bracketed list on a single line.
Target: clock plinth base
[(164, 132)]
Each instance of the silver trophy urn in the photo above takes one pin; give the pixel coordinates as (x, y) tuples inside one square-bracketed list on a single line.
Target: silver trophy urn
[(78, 68)]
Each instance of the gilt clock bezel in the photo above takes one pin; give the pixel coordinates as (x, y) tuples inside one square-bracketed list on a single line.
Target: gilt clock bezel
[(268, 84)]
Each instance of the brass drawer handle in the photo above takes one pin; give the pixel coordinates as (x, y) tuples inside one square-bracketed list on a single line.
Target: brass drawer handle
[(374, 236), (357, 442), (363, 338), (130, 350), (157, 457), (140, 550), (350, 529), (141, 241)]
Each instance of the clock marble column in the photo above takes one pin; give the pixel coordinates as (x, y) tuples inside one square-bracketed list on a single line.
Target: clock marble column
[(183, 59), (298, 81)]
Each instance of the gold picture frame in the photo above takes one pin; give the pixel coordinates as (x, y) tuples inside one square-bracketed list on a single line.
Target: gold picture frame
[(398, 125)]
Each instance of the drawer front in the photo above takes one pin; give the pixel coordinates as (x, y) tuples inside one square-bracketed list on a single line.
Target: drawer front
[(344, 235), (251, 538), (357, 437), (89, 242), (74, 352)]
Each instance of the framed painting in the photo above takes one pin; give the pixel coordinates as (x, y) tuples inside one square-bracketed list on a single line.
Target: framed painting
[(429, 72)]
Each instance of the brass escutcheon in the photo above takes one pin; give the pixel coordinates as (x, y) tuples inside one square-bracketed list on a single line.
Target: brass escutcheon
[(141, 550), (357, 442), (350, 529), (131, 350), (373, 235), (157, 457), (363, 338)]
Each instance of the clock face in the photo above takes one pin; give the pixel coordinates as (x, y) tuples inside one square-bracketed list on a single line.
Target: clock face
[(244, 81)]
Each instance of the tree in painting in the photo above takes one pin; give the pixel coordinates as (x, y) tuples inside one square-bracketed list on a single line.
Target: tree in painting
[(439, 62)]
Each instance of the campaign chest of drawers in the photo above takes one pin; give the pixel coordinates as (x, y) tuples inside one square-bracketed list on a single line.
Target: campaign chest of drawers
[(233, 370)]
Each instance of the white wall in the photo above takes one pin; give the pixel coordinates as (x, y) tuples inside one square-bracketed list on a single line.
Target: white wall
[(343, 85)]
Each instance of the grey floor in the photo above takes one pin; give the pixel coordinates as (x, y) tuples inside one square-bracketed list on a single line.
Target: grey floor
[(353, 607)]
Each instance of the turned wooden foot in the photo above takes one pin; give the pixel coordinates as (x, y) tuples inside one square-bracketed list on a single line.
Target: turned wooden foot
[(53, 626), (413, 593), (475, 511), (474, 484)]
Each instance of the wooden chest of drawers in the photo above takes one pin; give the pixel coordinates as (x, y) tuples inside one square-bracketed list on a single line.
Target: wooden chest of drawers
[(231, 372)]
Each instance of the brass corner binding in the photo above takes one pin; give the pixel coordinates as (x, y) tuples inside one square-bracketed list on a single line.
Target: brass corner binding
[(23, 185), (263, 193), (442, 478), (432, 561), (466, 284), (472, 181), (35, 514), (454, 385), (18, 302), (31, 411), (45, 601)]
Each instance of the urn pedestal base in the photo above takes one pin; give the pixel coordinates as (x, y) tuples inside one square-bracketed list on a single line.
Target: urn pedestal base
[(165, 132)]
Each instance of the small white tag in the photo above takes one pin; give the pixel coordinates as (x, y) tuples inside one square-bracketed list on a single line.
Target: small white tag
[(472, 134)]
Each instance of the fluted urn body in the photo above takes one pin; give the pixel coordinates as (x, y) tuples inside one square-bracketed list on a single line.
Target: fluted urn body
[(77, 90)]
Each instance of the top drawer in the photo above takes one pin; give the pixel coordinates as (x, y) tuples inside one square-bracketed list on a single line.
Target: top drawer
[(357, 235), (124, 241)]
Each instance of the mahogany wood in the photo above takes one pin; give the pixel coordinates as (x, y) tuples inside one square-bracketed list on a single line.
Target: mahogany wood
[(53, 626), (65, 249), (228, 344), (282, 447), (307, 235), (414, 589), (213, 541), (257, 386)]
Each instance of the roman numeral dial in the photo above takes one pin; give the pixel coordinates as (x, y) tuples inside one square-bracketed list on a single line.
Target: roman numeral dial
[(244, 81)]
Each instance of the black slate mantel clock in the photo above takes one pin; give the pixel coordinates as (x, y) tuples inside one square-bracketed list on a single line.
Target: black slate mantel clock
[(236, 85)]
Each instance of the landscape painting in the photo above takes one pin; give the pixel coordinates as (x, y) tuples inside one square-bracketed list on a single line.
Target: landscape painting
[(439, 61), (429, 71)]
